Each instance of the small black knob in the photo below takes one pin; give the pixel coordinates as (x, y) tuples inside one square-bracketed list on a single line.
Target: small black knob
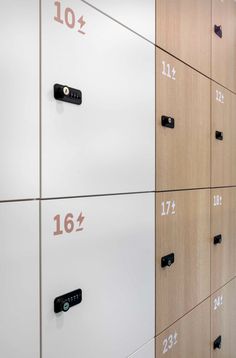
[(217, 343), (218, 239), (168, 260), (167, 121), (218, 31), (219, 135)]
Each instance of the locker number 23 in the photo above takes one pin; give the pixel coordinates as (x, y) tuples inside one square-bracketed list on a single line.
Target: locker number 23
[(169, 342), (68, 224)]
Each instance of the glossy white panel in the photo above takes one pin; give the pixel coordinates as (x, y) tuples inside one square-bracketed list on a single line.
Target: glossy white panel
[(107, 144), (138, 15), (147, 351), (19, 280), (19, 94), (113, 261)]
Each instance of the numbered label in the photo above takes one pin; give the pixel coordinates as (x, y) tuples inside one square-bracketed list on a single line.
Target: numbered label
[(220, 97), (69, 18), (169, 342), (218, 302), (68, 224), (217, 200), (168, 208), (168, 70)]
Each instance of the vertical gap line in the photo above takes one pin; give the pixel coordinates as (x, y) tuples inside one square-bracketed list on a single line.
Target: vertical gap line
[(211, 133), (40, 174), (155, 180)]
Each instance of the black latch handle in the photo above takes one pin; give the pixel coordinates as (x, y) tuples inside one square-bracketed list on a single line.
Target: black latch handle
[(65, 302), (67, 94), (168, 260), (218, 239), (218, 31), (217, 343), (219, 135), (168, 122)]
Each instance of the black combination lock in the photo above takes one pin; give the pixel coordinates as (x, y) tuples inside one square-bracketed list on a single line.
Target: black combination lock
[(67, 94), (217, 343), (168, 122), (168, 260), (218, 30), (219, 135), (65, 302), (218, 239)]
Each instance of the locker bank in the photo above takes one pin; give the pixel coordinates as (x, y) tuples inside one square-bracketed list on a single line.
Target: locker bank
[(118, 181)]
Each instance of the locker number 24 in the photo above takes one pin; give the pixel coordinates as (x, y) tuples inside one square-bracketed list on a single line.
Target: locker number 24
[(218, 302), (220, 97), (68, 224)]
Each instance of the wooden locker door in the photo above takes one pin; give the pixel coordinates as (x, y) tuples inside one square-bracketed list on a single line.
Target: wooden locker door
[(223, 322), (224, 48), (183, 229), (184, 29), (182, 152), (188, 337), (223, 233), (223, 144)]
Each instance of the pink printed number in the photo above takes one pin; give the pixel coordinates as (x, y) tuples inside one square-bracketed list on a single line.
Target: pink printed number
[(68, 224), (69, 18)]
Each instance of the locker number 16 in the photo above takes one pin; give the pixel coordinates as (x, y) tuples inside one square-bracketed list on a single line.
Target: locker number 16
[(68, 224)]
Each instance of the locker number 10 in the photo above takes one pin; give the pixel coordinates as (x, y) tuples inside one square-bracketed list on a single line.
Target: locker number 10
[(68, 17), (68, 224)]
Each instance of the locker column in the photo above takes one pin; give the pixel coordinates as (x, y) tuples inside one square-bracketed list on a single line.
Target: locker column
[(98, 179), (19, 180), (183, 164)]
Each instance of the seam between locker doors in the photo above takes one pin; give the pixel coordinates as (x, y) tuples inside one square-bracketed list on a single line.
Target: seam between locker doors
[(118, 22), (40, 178), (169, 53)]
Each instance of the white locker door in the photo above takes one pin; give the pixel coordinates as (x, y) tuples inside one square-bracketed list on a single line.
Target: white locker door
[(105, 247), (19, 110), (138, 15), (107, 144), (147, 351), (19, 280)]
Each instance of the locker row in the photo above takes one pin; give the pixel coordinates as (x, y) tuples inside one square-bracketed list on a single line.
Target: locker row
[(84, 135), (201, 33), (207, 331), (95, 263)]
